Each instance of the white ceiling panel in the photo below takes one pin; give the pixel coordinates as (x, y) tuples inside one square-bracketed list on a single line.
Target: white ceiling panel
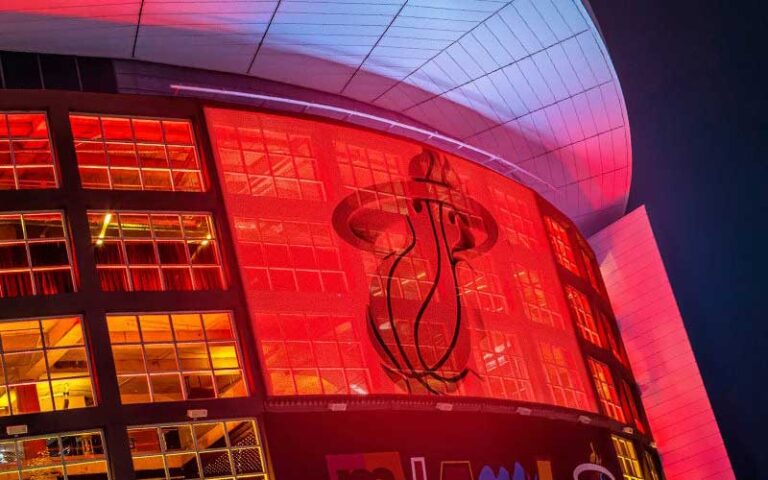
[(528, 80)]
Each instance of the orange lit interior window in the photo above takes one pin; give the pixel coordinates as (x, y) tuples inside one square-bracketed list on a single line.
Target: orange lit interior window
[(229, 449), (628, 460), (561, 244), (538, 303), (311, 354), (561, 377), (63, 455), (45, 366), (289, 256), (582, 312), (122, 153), (264, 162), (155, 251), (606, 390), (34, 255), (26, 157), (177, 356)]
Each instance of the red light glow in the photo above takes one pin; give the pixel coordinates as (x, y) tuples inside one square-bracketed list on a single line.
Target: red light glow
[(336, 249)]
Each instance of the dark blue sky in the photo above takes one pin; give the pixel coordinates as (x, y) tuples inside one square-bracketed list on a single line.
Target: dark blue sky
[(694, 80)]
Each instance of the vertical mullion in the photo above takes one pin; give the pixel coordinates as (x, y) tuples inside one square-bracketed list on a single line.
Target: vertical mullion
[(143, 350), (108, 161), (47, 366), (29, 254)]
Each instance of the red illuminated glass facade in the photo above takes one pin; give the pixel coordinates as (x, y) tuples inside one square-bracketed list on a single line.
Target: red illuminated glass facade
[(168, 301), (357, 257)]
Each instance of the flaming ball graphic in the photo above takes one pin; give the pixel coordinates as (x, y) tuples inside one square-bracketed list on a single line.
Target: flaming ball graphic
[(439, 219)]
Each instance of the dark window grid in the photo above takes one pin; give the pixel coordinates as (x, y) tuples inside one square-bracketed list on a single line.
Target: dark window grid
[(561, 244), (26, 241), (610, 336), (561, 377), (127, 268), (510, 358), (538, 304), (66, 460), (285, 182), (229, 449), (208, 343), (44, 349), (12, 139), (650, 466), (606, 389), (584, 318), (164, 144), (591, 269), (360, 176)]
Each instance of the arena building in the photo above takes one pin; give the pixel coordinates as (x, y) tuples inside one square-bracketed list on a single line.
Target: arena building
[(333, 240)]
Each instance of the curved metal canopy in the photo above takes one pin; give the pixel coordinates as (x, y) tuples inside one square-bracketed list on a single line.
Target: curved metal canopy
[(528, 80)]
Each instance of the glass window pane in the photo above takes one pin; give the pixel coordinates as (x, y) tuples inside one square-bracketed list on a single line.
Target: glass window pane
[(218, 326), (166, 388), (187, 326), (155, 328), (209, 449), (150, 239), (137, 152), (177, 438), (176, 355), (26, 156), (123, 329), (36, 458)]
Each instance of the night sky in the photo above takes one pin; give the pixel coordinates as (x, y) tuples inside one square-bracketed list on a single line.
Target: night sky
[(694, 80)]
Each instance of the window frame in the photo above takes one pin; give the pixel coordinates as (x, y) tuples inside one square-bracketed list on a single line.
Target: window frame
[(26, 241), (4, 383), (174, 342), (57, 180), (228, 447), (159, 267), (201, 171), (63, 463)]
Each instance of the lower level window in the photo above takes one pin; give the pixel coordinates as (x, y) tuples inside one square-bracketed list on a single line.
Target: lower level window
[(165, 357), (228, 449), (43, 366), (69, 456), (628, 461)]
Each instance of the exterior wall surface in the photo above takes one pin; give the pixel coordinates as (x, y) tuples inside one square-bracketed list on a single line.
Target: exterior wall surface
[(347, 243), (673, 393)]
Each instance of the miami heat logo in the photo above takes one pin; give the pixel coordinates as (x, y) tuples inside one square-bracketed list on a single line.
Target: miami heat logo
[(434, 218)]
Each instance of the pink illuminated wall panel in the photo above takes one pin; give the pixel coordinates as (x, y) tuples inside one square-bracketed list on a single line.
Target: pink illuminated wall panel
[(676, 402)]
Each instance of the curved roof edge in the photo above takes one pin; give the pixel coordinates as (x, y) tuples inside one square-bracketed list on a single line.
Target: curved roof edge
[(529, 81)]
